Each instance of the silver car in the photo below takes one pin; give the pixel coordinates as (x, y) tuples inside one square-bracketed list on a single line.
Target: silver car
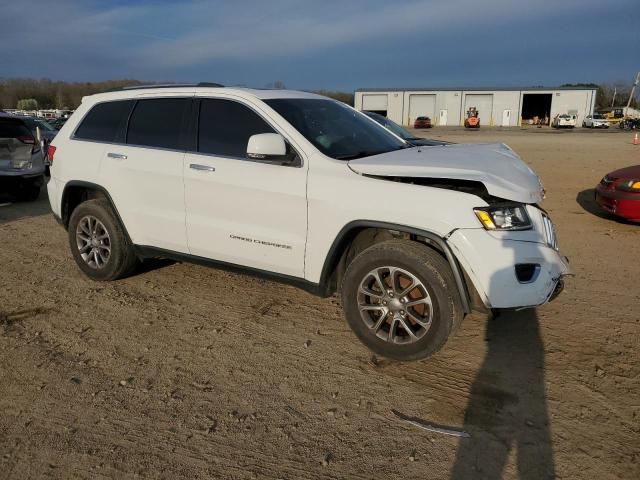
[(21, 159)]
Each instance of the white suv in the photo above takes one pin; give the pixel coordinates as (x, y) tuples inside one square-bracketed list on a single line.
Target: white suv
[(306, 190)]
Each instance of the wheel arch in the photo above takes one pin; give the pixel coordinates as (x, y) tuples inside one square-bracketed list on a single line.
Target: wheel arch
[(77, 191), (341, 245)]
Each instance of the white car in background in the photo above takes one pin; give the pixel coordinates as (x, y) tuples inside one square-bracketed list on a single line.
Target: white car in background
[(596, 120), (306, 190), (563, 120)]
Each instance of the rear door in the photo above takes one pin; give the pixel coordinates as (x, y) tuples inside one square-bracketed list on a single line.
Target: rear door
[(143, 173), (241, 211)]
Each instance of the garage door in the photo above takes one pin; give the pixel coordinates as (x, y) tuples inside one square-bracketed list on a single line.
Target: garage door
[(374, 103), (484, 104), (421, 106)]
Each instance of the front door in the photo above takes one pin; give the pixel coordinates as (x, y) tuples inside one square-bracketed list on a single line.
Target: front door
[(241, 211)]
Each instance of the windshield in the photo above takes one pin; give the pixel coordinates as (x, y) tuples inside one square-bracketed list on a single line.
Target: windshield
[(388, 124), (598, 116), (335, 129)]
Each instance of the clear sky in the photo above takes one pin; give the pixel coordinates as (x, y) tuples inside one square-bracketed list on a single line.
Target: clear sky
[(332, 44)]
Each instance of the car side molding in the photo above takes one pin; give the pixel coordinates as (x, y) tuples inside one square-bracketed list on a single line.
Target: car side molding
[(146, 252)]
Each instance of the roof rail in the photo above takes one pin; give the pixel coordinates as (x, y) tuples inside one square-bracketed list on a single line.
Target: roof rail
[(173, 85)]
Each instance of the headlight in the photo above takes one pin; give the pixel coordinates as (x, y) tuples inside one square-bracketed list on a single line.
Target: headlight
[(629, 186), (503, 217)]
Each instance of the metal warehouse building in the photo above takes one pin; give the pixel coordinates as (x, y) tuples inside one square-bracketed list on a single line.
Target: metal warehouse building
[(506, 107)]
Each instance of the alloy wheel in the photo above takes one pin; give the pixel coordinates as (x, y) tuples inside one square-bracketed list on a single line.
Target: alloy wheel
[(395, 305), (93, 241)]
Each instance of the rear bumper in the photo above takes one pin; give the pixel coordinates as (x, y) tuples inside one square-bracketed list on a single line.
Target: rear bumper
[(54, 190), (622, 204), (13, 180), (490, 265)]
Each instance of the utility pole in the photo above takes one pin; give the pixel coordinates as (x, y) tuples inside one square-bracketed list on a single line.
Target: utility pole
[(633, 90), (613, 100)]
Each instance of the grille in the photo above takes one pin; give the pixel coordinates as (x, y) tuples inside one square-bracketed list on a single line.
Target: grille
[(549, 232)]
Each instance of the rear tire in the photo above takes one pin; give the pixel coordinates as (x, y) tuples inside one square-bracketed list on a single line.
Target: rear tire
[(401, 324), (98, 242)]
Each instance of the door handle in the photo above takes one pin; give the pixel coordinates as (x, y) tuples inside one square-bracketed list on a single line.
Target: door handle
[(202, 168), (121, 156)]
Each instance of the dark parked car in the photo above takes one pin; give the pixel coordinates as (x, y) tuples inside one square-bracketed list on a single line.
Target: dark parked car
[(21, 159), (422, 122), (58, 123), (402, 133)]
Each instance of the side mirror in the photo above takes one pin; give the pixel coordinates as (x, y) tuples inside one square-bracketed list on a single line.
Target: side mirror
[(269, 147)]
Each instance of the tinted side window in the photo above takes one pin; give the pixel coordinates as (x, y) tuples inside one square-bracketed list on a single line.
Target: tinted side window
[(225, 126), (158, 122), (105, 122)]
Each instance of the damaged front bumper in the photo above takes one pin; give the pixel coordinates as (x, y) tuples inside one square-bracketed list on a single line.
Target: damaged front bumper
[(493, 265)]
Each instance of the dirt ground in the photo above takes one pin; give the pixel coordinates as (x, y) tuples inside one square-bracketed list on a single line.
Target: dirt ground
[(187, 372)]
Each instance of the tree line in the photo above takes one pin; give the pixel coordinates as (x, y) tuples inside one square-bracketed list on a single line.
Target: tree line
[(32, 94), (54, 94), (47, 94)]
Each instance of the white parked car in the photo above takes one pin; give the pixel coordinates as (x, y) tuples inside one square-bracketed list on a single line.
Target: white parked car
[(596, 120), (564, 121), (306, 190)]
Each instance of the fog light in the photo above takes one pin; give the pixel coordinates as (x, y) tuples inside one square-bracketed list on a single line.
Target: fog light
[(527, 272)]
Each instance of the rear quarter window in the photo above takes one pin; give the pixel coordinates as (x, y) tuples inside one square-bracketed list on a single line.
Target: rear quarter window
[(105, 122)]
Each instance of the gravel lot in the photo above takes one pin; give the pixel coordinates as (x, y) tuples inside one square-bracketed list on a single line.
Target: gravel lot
[(187, 372)]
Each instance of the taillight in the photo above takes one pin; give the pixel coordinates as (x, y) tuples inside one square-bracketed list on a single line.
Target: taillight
[(51, 151), (27, 139)]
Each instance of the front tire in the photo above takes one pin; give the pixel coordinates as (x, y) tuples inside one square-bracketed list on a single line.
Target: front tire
[(98, 242), (400, 300)]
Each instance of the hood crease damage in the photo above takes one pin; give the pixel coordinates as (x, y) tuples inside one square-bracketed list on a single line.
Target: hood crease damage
[(495, 167)]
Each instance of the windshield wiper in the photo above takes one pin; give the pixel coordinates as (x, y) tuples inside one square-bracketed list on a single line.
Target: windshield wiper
[(361, 154), (352, 156)]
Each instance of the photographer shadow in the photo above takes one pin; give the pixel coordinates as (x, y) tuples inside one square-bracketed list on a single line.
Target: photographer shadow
[(507, 409)]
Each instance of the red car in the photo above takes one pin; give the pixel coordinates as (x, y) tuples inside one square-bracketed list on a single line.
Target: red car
[(619, 193), (422, 122)]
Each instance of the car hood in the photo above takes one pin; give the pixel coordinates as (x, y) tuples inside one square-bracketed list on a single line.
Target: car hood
[(499, 168), (627, 173)]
